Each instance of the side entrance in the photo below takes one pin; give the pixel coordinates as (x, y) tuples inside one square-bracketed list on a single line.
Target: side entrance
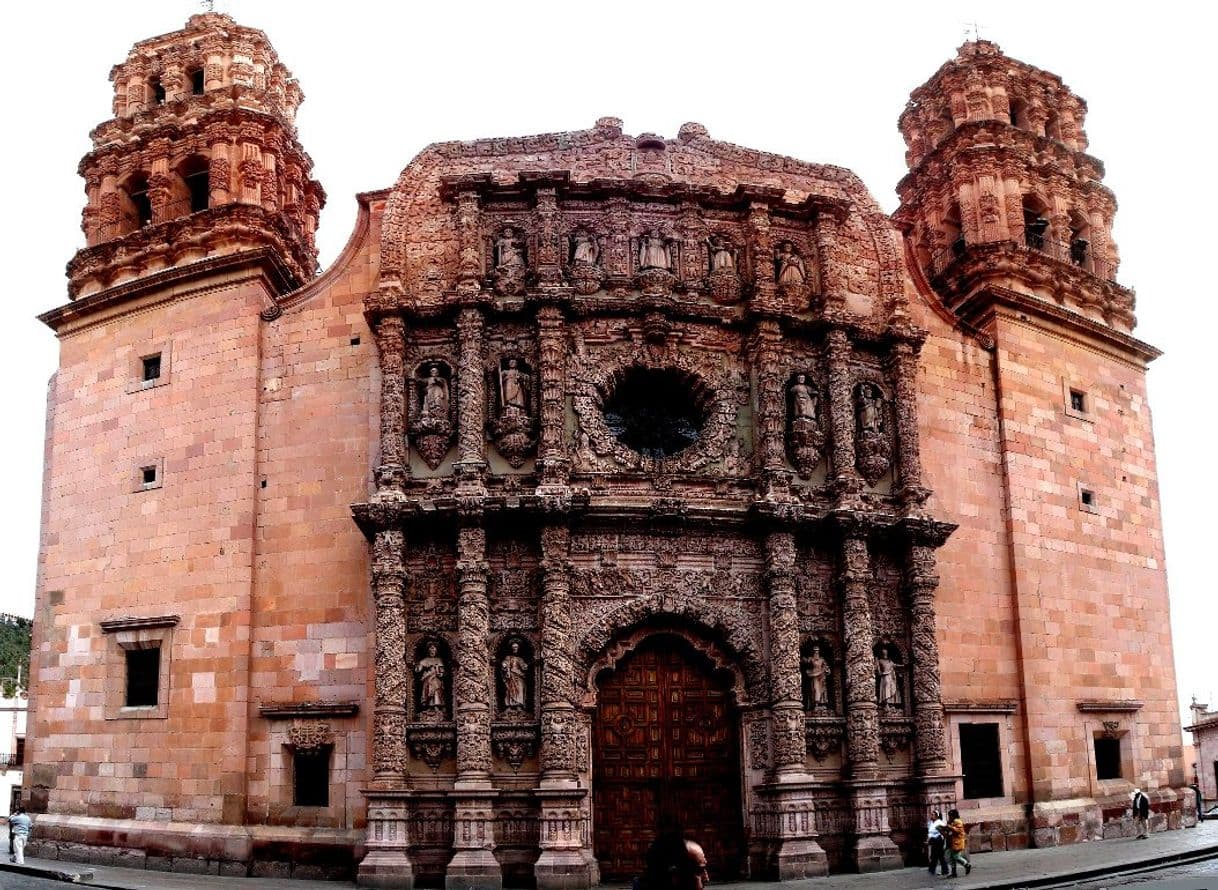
[(665, 758)]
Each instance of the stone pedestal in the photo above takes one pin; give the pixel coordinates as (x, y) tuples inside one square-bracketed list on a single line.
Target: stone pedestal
[(386, 863), (473, 866), (873, 848), (566, 859), (796, 854)]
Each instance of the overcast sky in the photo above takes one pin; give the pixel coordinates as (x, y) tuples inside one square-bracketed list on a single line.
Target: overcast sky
[(822, 82)]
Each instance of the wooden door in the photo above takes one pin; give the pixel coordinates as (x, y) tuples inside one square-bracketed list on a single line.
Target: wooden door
[(665, 758)]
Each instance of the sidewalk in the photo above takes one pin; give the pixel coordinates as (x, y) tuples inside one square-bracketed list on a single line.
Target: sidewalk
[(991, 871)]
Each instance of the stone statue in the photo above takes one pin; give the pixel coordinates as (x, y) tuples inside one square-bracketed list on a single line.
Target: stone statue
[(791, 270), (721, 259), (889, 690), (514, 669), (585, 249), (804, 399), (431, 671), (653, 252), (817, 671), (514, 387), (509, 254), (435, 395), (871, 409)]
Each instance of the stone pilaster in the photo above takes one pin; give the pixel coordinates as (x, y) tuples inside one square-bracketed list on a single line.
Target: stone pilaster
[(771, 410), (551, 451), (873, 849), (387, 863), (797, 853), (765, 296), (828, 251), (909, 462), (566, 857), (471, 400), (930, 746), (469, 269), (473, 863), (549, 257), (394, 467), (841, 414)]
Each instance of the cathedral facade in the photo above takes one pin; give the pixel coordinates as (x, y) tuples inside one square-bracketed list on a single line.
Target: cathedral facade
[(604, 485)]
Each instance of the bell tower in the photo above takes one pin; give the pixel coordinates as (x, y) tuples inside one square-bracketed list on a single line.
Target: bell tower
[(1008, 224), (199, 162)]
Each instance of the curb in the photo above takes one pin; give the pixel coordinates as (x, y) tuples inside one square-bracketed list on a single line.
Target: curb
[(1048, 880), (76, 876)]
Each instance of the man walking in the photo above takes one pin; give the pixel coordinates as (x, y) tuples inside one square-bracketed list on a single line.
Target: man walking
[(19, 825), (1141, 813), (936, 830)]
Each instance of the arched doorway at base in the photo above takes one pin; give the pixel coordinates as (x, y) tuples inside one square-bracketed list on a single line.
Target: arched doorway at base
[(666, 756)]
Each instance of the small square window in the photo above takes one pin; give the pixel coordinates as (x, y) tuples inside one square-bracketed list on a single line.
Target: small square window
[(150, 368), (143, 677), (311, 777), (1078, 401), (1087, 497), (1107, 758), (197, 82), (148, 475)]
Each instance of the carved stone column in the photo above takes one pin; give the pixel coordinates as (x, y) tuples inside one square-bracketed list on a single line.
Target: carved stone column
[(841, 414), (764, 288), (549, 259), (832, 273), (394, 467), (909, 460), (566, 857), (873, 848), (471, 400), (469, 268), (930, 747), (771, 410), (797, 853), (551, 451), (387, 864), (473, 863)]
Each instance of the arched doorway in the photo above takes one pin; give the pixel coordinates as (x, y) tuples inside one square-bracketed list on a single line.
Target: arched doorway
[(666, 757)]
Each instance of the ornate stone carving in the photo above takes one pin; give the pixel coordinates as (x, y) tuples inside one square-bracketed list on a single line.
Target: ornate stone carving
[(723, 280), (515, 671), (514, 743), (862, 729), (805, 438), (818, 673), (895, 735), (431, 425), (889, 688), (431, 682), (513, 426), (791, 273), (310, 735), (511, 265), (431, 743), (389, 715), (584, 271), (824, 736), (874, 440)]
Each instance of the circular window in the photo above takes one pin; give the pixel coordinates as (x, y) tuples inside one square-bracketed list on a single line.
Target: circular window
[(656, 412)]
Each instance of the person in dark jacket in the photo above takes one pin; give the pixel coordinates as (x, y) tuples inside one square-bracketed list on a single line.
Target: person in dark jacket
[(1141, 812), (674, 863)]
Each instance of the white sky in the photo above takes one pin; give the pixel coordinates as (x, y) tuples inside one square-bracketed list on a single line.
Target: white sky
[(823, 82)]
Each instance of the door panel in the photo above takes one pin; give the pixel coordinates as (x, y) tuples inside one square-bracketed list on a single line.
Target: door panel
[(665, 758)]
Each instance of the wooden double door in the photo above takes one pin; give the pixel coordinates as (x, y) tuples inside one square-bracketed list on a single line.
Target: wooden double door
[(665, 758)]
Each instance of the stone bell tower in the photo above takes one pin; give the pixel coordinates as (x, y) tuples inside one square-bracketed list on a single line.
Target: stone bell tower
[(1008, 222), (199, 162)]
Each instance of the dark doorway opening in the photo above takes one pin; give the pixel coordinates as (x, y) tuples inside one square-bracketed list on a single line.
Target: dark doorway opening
[(980, 760)]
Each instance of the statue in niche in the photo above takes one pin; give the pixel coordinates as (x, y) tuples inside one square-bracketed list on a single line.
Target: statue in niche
[(431, 671), (431, 426), (584, 248), (804, 400), (512, 429), (721, 258), (514, 670), (435, 395), (723, 283), (805, 439), (789, 271), (873, 446), (816, 669), (510, 264), (585, 272), (653, 252), (888, 685)]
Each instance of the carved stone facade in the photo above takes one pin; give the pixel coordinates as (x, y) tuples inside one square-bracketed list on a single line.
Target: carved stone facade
[(614, 405)]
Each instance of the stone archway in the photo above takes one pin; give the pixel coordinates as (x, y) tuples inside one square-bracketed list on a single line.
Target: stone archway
[(666, 756)]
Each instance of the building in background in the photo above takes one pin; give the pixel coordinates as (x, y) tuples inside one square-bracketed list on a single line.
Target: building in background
[(13, 711), (1204, 729), (603, 485)]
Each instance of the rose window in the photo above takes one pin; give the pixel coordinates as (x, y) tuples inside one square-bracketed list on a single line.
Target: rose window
[(656, 412)]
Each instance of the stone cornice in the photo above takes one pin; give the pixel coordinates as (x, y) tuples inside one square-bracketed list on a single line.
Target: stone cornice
[(1109, 706), (979, 706), (150, 622), (306, 709)]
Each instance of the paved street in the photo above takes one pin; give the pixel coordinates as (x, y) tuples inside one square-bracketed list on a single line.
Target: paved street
[(1077, 863)]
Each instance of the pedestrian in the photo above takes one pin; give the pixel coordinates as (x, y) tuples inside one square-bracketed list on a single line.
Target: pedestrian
[(19, 824), (674, 863), (958, 841), (1141, 812), (935, 831)]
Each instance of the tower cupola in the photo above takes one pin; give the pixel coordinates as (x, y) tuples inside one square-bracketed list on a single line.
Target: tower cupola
[(1001, 192), (200, 160)]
